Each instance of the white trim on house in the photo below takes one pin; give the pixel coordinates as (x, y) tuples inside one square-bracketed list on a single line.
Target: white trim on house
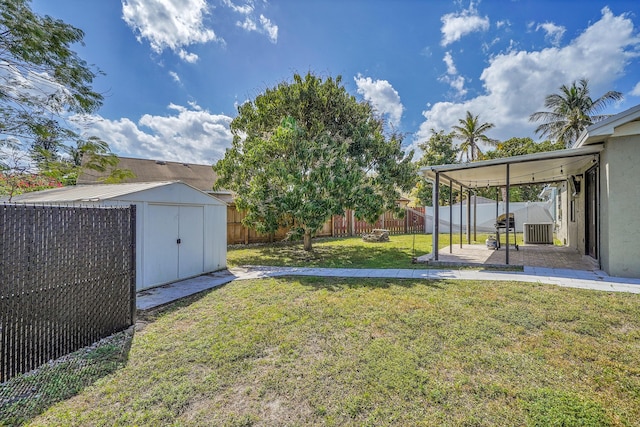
[(600, 131)]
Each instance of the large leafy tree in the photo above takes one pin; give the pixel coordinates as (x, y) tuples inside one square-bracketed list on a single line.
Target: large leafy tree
[(571, 111), (521, 146), (517, 147), (42, 82), (306, 150), (471, 132), (40, 75), (437, 150)]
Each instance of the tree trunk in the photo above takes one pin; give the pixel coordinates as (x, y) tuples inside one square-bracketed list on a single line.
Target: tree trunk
[(307, 240)]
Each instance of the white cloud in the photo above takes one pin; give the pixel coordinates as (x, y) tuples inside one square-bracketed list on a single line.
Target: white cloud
[(486, 46), (517, 82), (451, 67), (169, 24), (245, 9), (248, 24), (382, 96), (452, 78), (266, 27), (553, 32), (504, 23), (252, 22), (457, 25), (636, 90), (189, 134), (270, 29), (175, 77), (189, 57), (178, 24), (456, 83)]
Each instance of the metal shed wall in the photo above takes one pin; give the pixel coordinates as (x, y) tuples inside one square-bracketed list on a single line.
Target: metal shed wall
[(149, 200)]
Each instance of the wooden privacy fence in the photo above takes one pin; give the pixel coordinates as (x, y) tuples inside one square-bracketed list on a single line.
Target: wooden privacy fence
[(67, 279), (339, 226)]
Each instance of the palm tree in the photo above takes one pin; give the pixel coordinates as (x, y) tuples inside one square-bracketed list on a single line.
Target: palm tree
[(470, 132), (572, 110)]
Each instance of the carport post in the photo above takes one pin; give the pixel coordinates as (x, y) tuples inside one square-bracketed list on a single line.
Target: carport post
[(507, 219), (461, 198), (497, 203), (475, 215), (436, 217), (468, 216), (450, 216)]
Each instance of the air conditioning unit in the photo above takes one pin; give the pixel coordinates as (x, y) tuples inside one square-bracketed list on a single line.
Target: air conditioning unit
[(538, 233)]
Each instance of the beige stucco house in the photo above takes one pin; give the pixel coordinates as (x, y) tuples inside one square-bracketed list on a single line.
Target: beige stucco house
[(607, 220), (598, 183)]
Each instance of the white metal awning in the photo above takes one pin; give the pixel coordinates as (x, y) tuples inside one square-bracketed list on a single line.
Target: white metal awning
[(538, 168)]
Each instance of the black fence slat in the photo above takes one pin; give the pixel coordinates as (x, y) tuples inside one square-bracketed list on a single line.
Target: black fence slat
[(66, 280)]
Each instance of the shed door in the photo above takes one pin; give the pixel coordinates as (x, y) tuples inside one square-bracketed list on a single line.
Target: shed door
[(191, 235), (161, 251), (174, 246)]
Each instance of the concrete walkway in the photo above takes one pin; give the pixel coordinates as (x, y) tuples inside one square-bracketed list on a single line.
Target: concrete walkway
[(594, 280)]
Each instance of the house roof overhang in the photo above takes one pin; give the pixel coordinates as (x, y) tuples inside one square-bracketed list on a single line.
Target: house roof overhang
[(621, 124), (538, 168)]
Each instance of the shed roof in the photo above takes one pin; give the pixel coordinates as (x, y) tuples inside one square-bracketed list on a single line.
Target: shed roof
[(98, 193), (201, 177)]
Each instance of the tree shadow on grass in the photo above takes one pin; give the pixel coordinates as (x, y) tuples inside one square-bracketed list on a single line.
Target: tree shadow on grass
[(338, 284), (375, 255)]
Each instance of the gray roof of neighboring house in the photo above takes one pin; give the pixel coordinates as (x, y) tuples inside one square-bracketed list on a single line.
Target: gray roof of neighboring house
[(86, 193), (201, 177)]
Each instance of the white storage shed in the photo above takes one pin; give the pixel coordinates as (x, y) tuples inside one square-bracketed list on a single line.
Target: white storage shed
[(181, 232)]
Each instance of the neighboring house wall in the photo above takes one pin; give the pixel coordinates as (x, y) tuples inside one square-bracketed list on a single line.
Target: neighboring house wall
[(620, 194)]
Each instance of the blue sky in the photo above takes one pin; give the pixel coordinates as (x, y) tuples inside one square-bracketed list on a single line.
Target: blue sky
[(175, 70)]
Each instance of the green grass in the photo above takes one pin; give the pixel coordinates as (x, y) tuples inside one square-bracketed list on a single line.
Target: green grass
[(27, 395), (349, 252), (353, 352)]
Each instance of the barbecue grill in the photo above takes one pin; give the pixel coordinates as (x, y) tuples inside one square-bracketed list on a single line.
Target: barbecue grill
[(506, 224)]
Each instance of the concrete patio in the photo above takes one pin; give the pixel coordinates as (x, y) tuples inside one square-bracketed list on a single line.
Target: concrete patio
[(548, 256)]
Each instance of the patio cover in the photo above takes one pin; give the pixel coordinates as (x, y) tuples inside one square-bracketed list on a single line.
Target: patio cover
[(537, 168)]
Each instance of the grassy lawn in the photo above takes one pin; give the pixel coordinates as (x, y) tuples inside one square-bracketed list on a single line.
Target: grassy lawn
[(344, 252), (334, 352), (24, 396)]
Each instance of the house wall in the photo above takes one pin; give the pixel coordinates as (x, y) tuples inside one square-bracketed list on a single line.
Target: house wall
[(619, 196), (562, 231), (575, 228)]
